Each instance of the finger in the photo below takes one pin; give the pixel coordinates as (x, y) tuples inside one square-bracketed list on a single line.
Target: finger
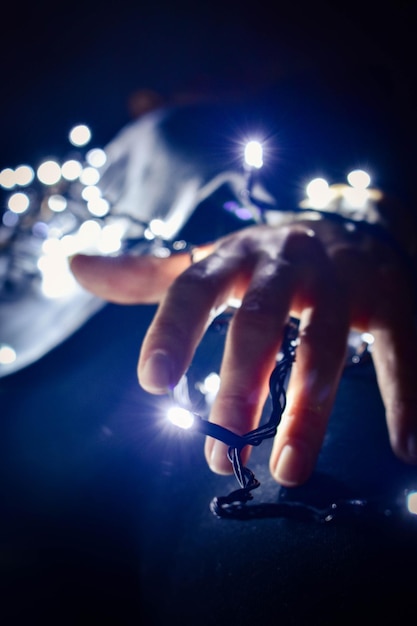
[(250, 351), (314, 380), (394, 354), (255, 335), (128, 279), (182, 318)]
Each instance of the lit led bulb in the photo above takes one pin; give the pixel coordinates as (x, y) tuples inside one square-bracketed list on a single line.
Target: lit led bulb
[(318, 193), (357, 194), (359, 179), (180, 417), (254, 154)]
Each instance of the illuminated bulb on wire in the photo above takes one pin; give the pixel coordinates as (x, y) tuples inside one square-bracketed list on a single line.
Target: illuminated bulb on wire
[(91, 192), (96, 157), (412, 502), (318, 192), (211, 384), (49, 172), (18, 202), (7, 178), (71, 169), (180, 417), (7, 354), (57, 203), (24, 175), (89, 176), (157, 227), (98, 207), (254, 154), (80, 135), (359, 179)]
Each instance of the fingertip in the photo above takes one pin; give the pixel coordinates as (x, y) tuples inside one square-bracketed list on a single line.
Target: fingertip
[(156, 372), (293, 465), (216, 456)]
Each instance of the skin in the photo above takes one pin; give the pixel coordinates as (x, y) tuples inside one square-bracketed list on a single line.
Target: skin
[(331, 279)]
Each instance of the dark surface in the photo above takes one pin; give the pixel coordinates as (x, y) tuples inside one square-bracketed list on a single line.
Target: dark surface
[(105, 513)]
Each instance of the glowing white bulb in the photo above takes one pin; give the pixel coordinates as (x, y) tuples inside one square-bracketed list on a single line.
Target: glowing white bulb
[(111, 238), (254, 154), (359, 179), (57, 203), (71, 169), (91, 192), (18, 202), (180, 417), (96, 157), (7, 354), (157, 227), (80, 135), (211, 384), (24, 175), (368, 338), (98, 207), (412, 502), (7, 178), (89, 176), (318, 192), (49, 172)]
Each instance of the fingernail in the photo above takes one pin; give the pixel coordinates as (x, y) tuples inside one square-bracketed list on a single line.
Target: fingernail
[(293, 465), (218, 460), (156, 374)]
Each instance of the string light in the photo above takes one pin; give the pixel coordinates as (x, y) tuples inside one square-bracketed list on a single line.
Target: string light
[(81, 233)]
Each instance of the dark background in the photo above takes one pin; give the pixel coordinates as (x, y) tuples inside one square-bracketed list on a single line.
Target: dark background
[(69, 62), (104, 515)]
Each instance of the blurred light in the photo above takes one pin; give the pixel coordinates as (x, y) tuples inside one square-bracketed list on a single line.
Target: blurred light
[(89, 176), (161, 252), (355, 197), (148, 234), (71, 169), (412, 502), (111, 238), (7, 354), (24, 175), (9, 219), (254, 154), (91, 192), (80, 135), (18, 202), (7, 178), (368, 338), (234, 302), (157, 228), (180, 417), (49, 172), (318, 192), (211, 384), (98, 207), (57, 279), (40, 229), (57, 203), (96, 157), (89, 232), (359, 179)]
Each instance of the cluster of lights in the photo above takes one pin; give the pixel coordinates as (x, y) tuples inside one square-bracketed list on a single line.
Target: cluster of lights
[(53, 176), (354, 195), (35, 196)]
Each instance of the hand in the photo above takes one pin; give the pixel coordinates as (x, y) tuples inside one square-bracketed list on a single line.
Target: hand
[(329, 278)]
